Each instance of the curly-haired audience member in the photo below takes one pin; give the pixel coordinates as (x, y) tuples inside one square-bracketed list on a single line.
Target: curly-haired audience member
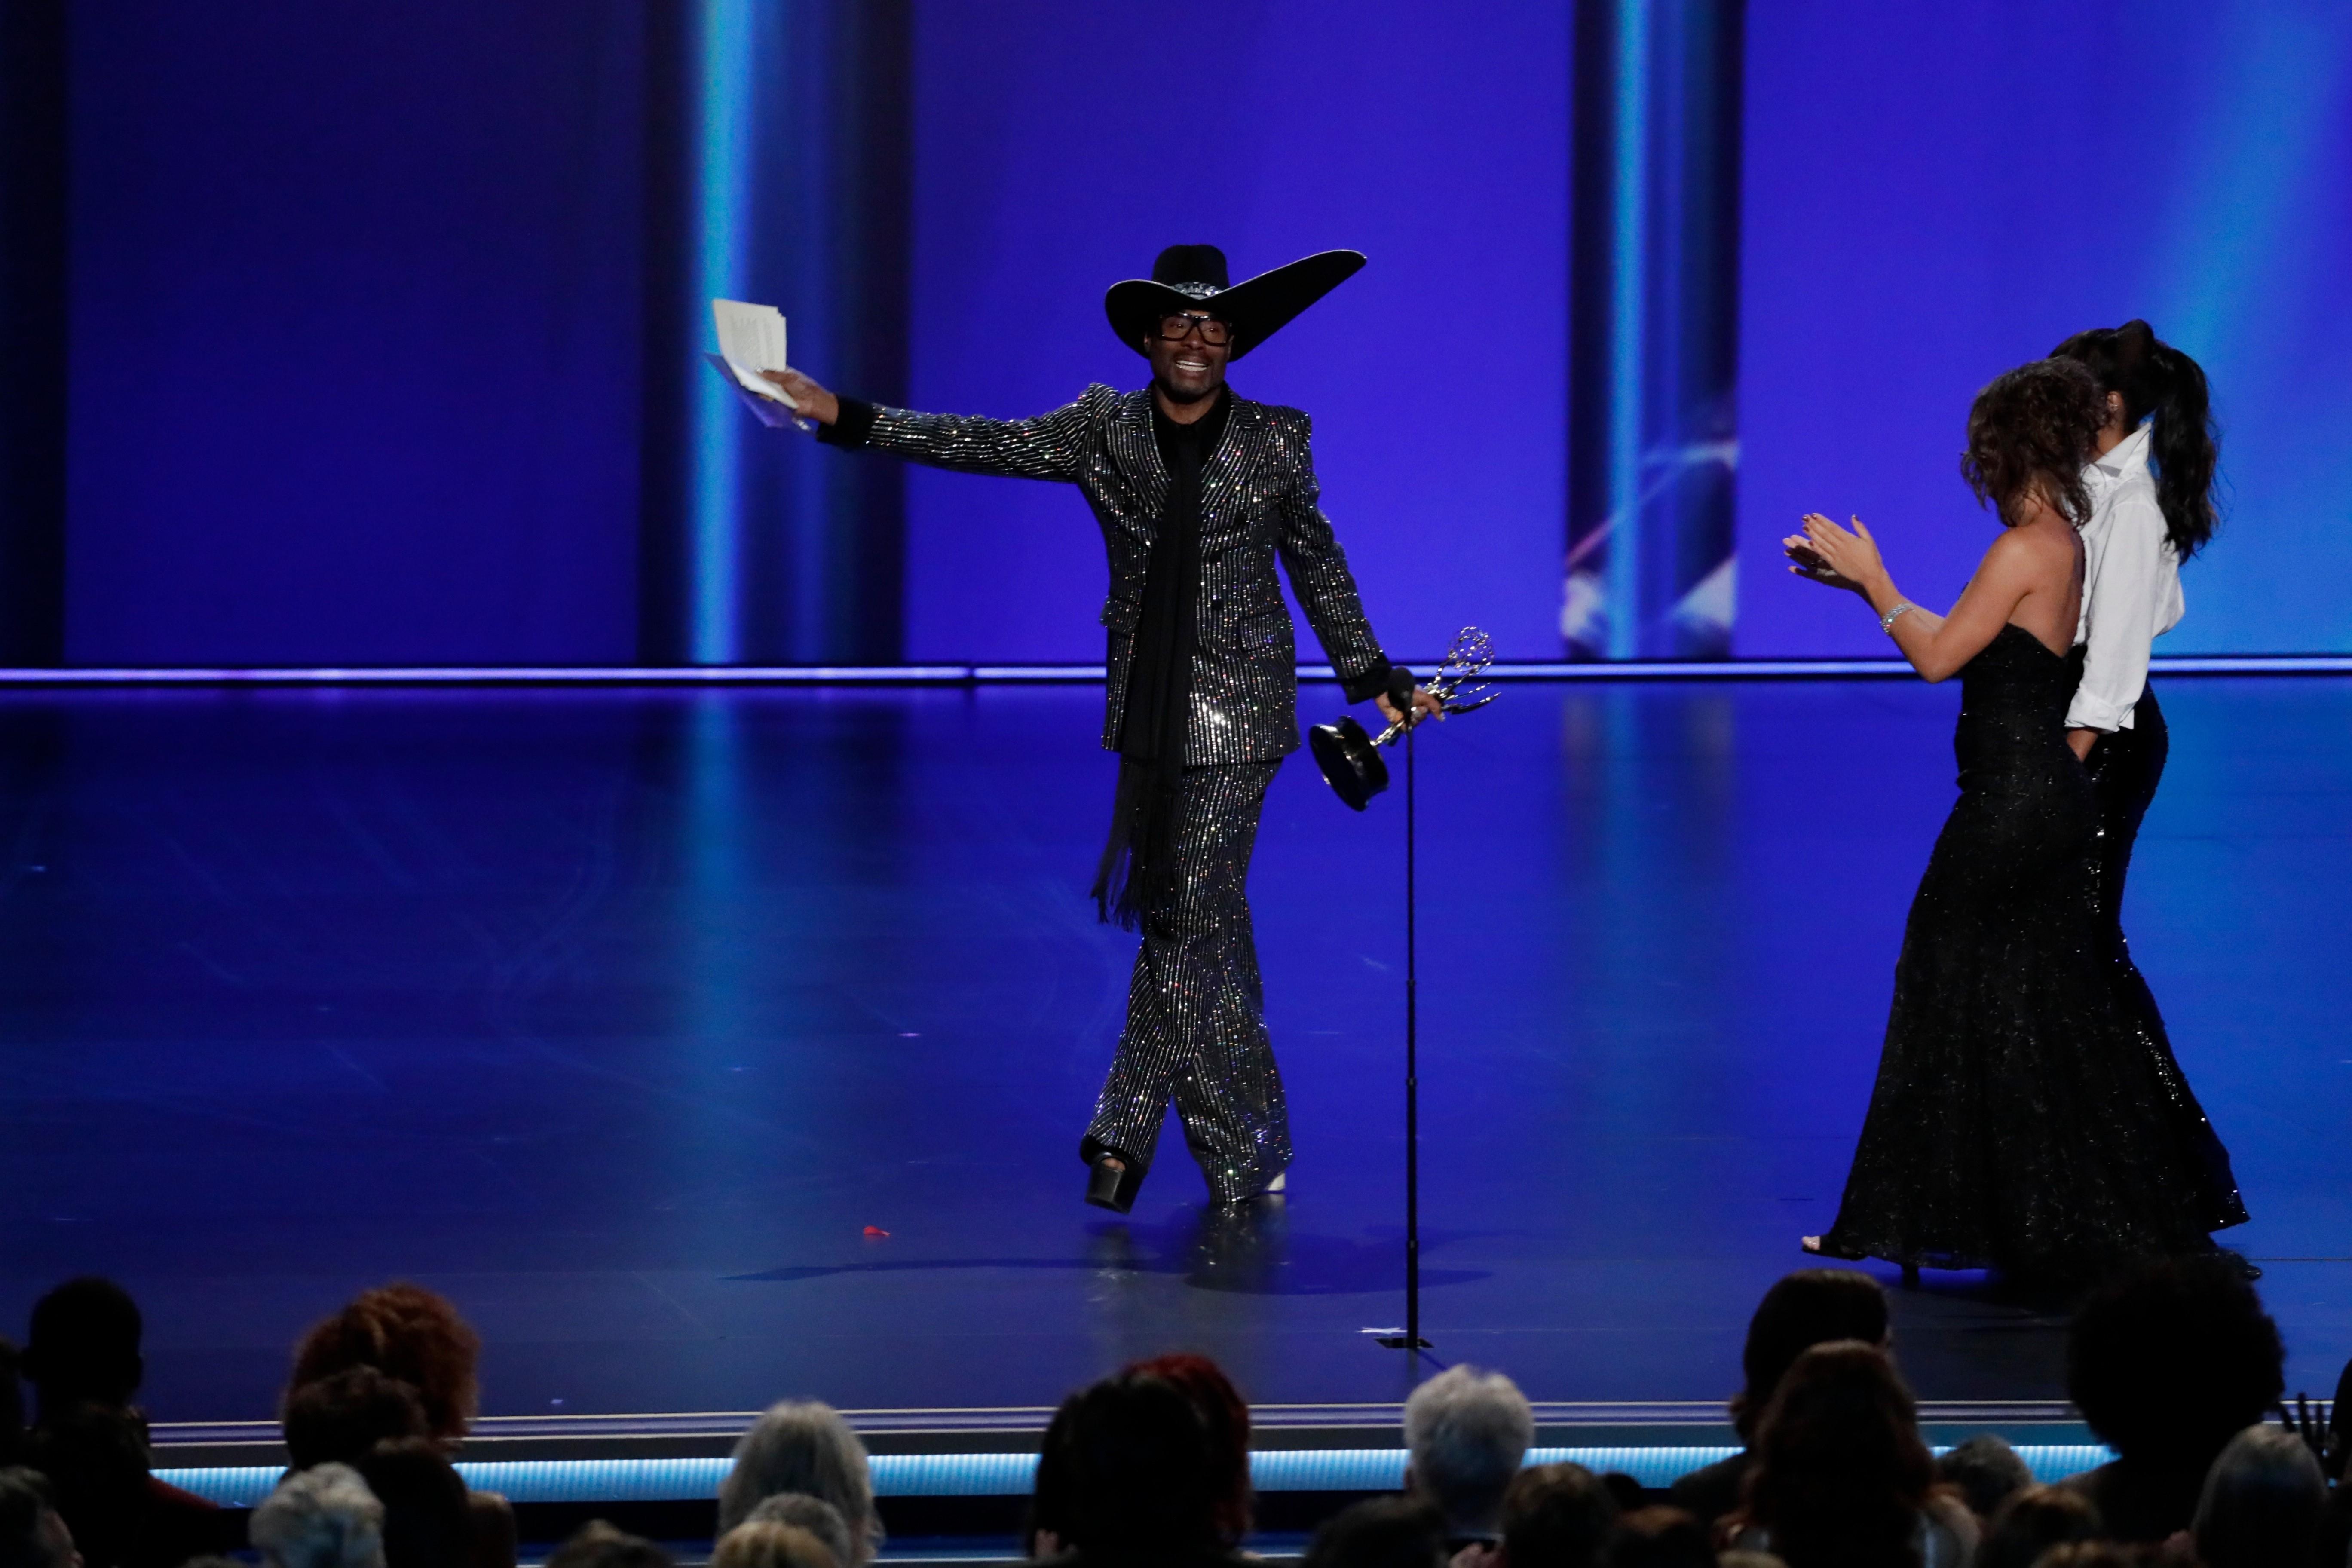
[(2167, 1365), (413, 1336), (407, 1332)]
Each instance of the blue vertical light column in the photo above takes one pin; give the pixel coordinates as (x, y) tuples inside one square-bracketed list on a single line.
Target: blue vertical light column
[(777, 143), (736, 39), (1654, 330)]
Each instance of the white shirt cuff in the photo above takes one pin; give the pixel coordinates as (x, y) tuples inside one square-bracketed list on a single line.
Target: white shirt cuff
[(2091, 711)]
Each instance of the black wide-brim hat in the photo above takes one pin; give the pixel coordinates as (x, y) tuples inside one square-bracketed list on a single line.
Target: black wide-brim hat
[(1192, 277)]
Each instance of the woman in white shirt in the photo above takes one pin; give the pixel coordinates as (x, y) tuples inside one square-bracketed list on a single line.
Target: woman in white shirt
[(2151, 483)]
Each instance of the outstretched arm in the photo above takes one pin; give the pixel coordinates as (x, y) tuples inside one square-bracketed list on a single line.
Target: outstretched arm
[(1045, 448), (1937, 646)]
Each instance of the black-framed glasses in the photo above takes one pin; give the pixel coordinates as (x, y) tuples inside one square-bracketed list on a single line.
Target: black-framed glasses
[(1214, 332)]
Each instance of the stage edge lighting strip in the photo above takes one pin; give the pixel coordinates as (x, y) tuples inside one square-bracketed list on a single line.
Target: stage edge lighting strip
[(1012, 1474), (1047, 674)]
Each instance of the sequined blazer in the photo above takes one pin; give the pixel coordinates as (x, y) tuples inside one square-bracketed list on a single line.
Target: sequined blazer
[(1258, 501)]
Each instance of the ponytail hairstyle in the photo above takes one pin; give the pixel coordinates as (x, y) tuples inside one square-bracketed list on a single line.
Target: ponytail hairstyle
[(2155, 378)]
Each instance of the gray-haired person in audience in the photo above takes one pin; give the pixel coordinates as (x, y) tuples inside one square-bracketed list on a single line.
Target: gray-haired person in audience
[(804, 1446), (323, 1516), (814, 1515), (2261, 1501), (1467, 1433), (1986, 1471)]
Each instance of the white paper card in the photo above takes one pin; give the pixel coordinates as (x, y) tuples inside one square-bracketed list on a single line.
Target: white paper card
[(750, 339)]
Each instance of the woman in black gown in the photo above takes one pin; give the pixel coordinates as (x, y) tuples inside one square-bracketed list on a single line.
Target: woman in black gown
[(2027, 1115)]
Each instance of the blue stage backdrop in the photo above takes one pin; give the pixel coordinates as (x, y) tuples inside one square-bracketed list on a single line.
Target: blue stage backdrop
[(356, 315), (377, 340), (1060, 145), (1937, 193)]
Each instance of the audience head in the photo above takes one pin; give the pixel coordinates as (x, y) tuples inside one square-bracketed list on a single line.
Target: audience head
[(803, 1446), (2097, 1554), (1808, 1308), (2032, 1521), (2169, 1362), (1131, 1473), (33, 1534), (427, 1518), (1382, 1532), (1556, 1516), (1986, 1471), (84, 1345), (1468, 1432), (766, 1543), (815, 1515), (1659, 1538), (96, 1456), (597, 1544), (1225, 1414), (2261, 1501), (320, 1518), (342, 1417), (1840, 1473), (407, 1332)]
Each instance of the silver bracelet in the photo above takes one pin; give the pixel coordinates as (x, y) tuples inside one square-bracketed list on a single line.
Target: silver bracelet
[(1886, 621)]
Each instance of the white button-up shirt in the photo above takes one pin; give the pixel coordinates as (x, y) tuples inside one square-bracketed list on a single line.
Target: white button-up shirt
[(2131, 586)]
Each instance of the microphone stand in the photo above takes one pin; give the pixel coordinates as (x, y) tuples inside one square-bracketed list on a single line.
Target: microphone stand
[(1411, 1341)]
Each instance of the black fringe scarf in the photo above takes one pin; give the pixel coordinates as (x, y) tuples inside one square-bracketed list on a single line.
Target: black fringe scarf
[(1138, 868)]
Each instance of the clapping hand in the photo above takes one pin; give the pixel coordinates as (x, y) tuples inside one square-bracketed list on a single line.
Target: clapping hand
[(1832, 557)]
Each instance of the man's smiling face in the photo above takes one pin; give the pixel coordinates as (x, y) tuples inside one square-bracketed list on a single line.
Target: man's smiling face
[(1188, 368)]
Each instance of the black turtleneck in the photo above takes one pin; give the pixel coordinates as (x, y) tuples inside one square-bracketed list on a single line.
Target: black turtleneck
[(1159, 675)]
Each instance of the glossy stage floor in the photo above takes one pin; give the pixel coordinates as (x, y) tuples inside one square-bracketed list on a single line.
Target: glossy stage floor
[(713, 1045)]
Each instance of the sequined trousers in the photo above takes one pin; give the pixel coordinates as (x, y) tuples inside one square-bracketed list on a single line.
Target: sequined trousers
[(1195, 1014)]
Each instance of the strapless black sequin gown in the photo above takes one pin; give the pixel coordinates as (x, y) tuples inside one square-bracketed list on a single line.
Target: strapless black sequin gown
[(2029, 1114)]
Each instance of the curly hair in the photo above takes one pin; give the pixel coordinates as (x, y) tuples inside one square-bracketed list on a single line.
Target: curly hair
[(2032, 429), (2158, 382), (2172, 1362), (1839, 1472), (406, 1332)]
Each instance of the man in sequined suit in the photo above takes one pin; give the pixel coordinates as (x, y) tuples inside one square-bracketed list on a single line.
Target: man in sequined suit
[(1197, 492)]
